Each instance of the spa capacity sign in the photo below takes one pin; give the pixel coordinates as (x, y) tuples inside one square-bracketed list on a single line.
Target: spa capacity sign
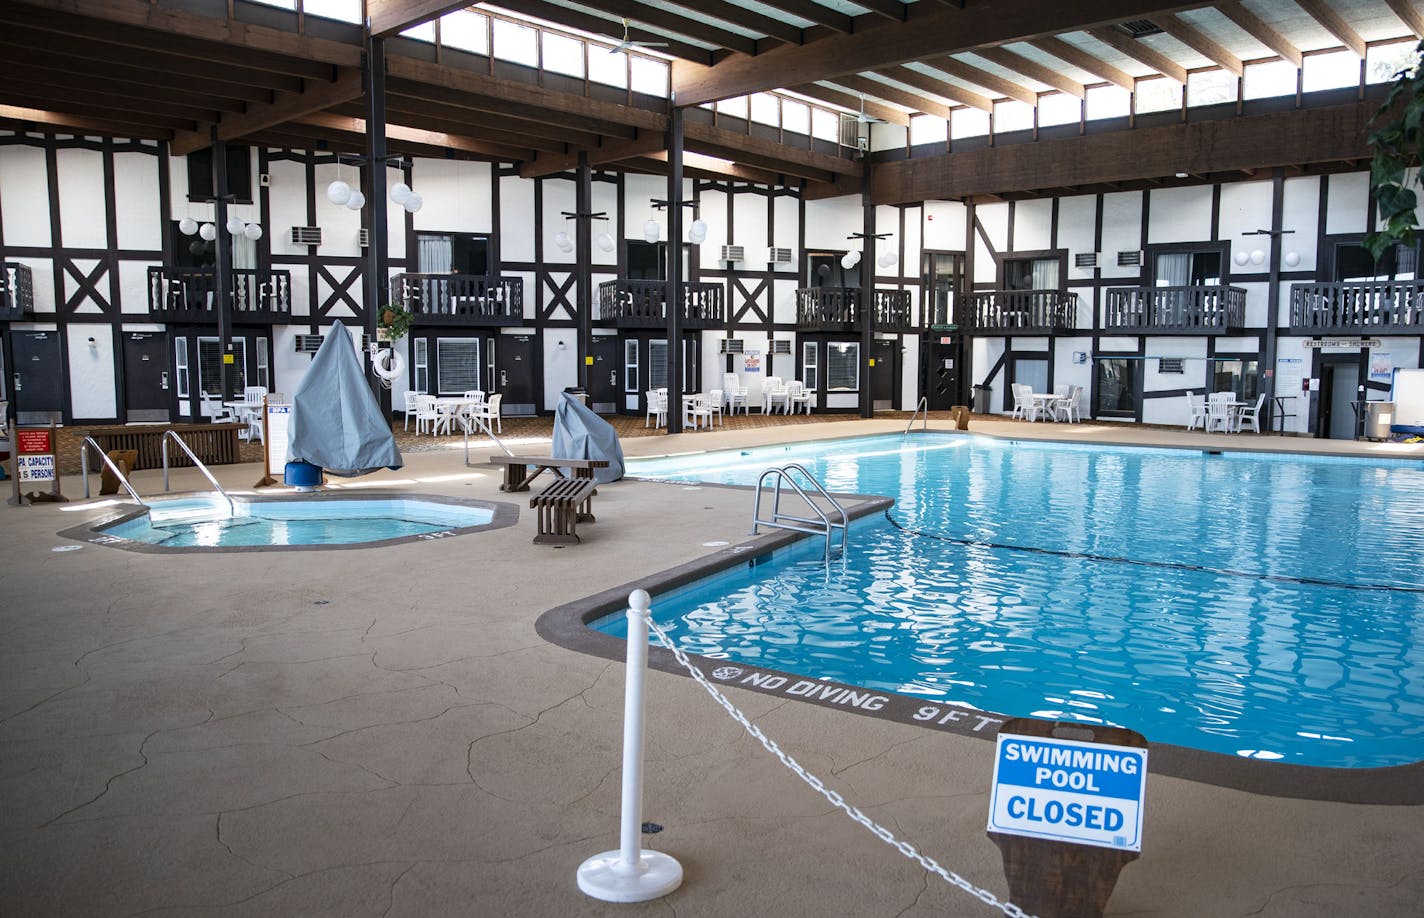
[(1069, 791), (34, 456)]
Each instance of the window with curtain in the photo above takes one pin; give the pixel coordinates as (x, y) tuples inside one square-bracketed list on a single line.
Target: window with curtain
[(1238, 376), (1031, 274), (808, 365), (457, 365), (421, 364), (630, 366), (434, 256), (843, 365), (180, 366), (1353, 262), (1186, 269), (210, 365), (264, 375), (1116, 387), (657, 365)]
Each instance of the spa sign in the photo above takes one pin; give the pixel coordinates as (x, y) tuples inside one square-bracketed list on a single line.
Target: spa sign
[(1069, 791)]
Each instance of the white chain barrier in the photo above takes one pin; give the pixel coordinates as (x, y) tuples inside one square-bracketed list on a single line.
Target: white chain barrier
[(882, 833)]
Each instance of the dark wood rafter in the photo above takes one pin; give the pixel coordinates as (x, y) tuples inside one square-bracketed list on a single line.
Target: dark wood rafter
[(1329, 134), (1010, 60), (435, 140), (1258, 29), (42, 69), (391, 16), (611, 28), (853, 102), (1077, 57), (1335, 24), (99, 103), (991, 81), (616, 151), (667, 20), (1200, 42), (346, 87), (438, 116), (766, 154), (892, 10), (1409, 15), (929, 83), (893, 94), (927, 30), (15, 118), (1136, 49), (701, 166), (814, 12)]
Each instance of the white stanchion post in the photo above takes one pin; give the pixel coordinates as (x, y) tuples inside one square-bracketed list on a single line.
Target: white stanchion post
[(631, 874)]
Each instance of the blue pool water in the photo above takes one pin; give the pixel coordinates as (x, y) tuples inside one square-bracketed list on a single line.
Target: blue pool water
[(1248, 604), (204, 522)]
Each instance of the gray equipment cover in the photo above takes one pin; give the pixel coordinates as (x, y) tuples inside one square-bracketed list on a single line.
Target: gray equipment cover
[(581, 434), (336, 422)]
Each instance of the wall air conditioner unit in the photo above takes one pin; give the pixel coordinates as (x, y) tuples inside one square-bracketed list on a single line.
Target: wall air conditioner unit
[(733, 253), (780, 347), (365, 238), (778, 256), (1170, 365), (731, 346), (308, 344), (850, 131), (1085, 260), (1129, 259), (306, 235)]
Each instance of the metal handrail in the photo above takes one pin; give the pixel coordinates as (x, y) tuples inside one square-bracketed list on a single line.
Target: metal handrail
[(820, 524), (84, 468), (231, 507), (925, 404), (484, 425)]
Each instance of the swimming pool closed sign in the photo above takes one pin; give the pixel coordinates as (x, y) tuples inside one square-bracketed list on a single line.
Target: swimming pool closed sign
[(1070, 791)]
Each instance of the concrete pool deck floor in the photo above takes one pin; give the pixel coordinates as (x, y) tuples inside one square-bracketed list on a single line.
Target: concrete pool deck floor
[(380, 731)]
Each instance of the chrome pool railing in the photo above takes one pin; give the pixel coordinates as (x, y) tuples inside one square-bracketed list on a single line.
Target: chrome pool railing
[(924, 405), (820, 524), (198, 463), (103, 457)]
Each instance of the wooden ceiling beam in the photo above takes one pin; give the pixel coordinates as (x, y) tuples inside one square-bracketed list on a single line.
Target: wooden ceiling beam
[(840, 187), (144, 25), (1077, 57), (952, 91), (846, 100), (438, 117), (610, 29), (1200, 42), (103, 70), (96, 102), (752, 21), (83, 83), (892, 10), (435, 140), (512, 117), (765, 154), (1408, 15), (1009, 60), (1315, 135), (1335, 24), (929, 29), (1254, 26), (1135, 49), (668, 20), (391, 16), (712, 167), (17, 118), (898, 96), (814, 12), (990, 81), (344, 88), (616, 151)]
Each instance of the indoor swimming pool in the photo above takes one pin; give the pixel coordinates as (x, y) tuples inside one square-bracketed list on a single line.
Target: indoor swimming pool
[(1255, 605)]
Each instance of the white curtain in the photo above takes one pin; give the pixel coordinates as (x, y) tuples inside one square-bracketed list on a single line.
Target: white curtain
[(1045, 274), (1174, 270), (434, 256)]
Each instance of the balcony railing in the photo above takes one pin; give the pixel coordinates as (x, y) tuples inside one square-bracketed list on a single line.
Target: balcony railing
[(1018, 312), (837, 309), (187, 295), (460, 299), (1366, 307), (17, 292), (1193, 310), (643, 304)]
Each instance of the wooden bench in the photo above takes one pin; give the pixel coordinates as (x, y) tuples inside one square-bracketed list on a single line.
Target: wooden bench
[(519, 471), (565, 503)]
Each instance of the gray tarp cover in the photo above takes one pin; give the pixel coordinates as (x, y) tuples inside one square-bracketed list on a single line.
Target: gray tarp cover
[(336, 422), (581, 434)]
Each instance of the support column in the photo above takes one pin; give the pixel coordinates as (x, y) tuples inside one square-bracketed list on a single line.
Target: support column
[(222, 278), (674, 270), (867, 295), (583, 243), (1267, 376), (377, 281)]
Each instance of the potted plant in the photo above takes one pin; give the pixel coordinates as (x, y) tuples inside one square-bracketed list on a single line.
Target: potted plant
[(395, 322)]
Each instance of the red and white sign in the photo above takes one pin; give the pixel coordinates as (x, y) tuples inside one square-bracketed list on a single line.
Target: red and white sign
[(33, 441)]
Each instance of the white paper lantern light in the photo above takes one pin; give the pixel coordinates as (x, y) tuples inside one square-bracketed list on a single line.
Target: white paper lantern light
[(187, 226), (356, 201), (697, 232), (605, 242), (1258, 257), (252, 231), (563, 242), (399, 192), (338, 193), (413, 203), (652, 231), (1292, 259), (235, 226), (1241, 258), (208, 232), (850, 259), (887, 258)]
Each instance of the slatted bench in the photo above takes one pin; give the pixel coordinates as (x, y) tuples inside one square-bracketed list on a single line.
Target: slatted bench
[(519, 471), (565, 503)]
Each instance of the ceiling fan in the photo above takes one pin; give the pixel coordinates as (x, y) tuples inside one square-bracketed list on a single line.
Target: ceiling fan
[(627, 42), (863, 118)]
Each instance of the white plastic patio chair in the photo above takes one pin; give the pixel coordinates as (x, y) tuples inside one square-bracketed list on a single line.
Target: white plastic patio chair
[(1220, 413), (695, 411), (426, 416), (773, 395), (715, 401), (735, 393), (799, 400), (657, 407), (410, 396), (1196, 410), (1251, 414), (1065, 407)]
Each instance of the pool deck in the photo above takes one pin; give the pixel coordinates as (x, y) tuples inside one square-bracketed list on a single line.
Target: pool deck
[(381, 732)]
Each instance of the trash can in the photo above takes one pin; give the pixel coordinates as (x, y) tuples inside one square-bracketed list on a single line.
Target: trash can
[(1379, 416), (982, 394), (577, 392), (302, 475)]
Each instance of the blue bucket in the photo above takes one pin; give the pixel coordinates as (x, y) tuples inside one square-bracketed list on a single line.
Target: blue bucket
[(302, 475)]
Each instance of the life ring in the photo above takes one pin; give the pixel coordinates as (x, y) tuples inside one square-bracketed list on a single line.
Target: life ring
[(395, 368)]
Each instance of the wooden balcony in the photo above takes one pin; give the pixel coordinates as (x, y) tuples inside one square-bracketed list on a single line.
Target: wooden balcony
[(1193, 310), (460, 299), (1018, 312), (186, 295), (837, 309), (17, 293), (643, 304), (1358, 308)]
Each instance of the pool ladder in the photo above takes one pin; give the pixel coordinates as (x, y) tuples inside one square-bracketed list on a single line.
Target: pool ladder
[(128, 486), (922, 406), (823, 523)]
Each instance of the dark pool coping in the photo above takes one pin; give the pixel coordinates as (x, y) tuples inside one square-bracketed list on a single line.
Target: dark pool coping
[(505, 514), (568, 626)]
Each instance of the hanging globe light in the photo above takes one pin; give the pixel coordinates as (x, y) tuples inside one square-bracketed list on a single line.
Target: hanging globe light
[(399, 192), (356, 201), (208, 231), (187, 226), (605, 242), (252, 231), (563, 242), (338, 192), (235, 226), (697, 232), (652, 232), (886, 259), (414, 202)]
